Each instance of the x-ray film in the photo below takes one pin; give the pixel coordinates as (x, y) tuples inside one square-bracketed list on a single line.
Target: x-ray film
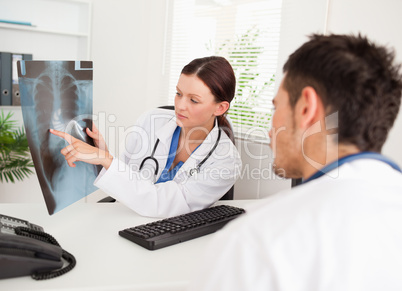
[(58, 95)]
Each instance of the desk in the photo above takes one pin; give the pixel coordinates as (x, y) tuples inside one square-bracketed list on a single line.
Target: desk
[(106, 261)]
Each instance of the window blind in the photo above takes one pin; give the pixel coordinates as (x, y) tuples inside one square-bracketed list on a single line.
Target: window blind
[(246, 33)]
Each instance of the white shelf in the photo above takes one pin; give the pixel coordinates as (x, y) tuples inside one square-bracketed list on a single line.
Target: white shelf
[(61, 29), (38, 29)]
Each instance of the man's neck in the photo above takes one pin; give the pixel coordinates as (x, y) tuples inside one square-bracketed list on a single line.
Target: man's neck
[(333, 155)]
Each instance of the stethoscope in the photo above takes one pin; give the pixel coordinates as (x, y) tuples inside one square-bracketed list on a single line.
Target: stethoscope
[(347, 159), (191, 172)]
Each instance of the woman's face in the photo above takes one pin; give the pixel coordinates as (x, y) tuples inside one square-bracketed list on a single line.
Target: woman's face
[(195, 105)]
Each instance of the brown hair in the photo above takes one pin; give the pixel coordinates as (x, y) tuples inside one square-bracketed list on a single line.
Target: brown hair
[(217, 74), (354, 77)]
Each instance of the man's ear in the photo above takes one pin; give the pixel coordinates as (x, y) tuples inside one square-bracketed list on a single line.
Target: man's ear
[(221, 108), (309, 107)]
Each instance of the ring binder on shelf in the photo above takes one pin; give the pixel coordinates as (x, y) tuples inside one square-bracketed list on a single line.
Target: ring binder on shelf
[(16, 98), (5, 79), (9, 88)]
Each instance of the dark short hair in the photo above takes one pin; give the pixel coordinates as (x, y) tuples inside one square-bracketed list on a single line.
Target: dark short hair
[(218, 75), (354, 77)]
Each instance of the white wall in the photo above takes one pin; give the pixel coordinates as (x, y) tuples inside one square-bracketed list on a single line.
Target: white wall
[(128, 51)]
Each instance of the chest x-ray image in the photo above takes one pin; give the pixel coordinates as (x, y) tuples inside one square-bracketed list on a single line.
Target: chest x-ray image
[(58, 95)]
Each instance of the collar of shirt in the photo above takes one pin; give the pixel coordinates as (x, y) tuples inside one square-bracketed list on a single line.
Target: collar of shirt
[(349, 158)]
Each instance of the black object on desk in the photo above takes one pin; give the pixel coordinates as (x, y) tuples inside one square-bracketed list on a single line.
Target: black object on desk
[(26, 250), (170, 231)]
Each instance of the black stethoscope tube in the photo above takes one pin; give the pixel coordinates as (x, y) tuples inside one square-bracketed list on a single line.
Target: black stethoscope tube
[(151, 157)]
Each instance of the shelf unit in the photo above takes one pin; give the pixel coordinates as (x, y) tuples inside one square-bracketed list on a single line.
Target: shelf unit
[(60, 30), (36, 29)]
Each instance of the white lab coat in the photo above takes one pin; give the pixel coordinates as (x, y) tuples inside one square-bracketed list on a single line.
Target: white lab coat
[(184, 193), (334, 233)]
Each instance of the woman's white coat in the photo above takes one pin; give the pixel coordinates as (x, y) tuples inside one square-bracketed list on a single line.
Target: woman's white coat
[(185, 193)]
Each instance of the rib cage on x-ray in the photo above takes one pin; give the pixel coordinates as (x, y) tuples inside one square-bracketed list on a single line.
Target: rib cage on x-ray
[(57, 103), (55, 98)]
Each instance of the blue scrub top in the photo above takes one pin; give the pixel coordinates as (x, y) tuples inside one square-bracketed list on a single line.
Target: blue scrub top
[(166, 174)]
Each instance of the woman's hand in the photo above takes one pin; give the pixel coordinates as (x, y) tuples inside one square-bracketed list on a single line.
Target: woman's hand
[(78, 150), (97, 138)]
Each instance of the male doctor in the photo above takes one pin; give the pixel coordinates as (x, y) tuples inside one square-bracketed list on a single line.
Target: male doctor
[(342, 228)]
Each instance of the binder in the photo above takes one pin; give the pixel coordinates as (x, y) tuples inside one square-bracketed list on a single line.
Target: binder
[(5, 79), (16, 98)]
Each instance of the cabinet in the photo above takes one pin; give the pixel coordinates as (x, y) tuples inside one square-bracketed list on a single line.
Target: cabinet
[(60, 30)]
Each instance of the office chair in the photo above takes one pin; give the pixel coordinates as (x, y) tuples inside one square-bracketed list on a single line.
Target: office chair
[(296, 182), (228, 196)]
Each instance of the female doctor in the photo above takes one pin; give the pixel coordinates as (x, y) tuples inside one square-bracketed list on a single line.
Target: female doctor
[(175, 161)]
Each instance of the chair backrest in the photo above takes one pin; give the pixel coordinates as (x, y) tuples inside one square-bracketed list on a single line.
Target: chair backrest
[(230, 194), (296, 182)]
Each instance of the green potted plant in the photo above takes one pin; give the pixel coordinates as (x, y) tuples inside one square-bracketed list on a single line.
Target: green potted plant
[(15, 158)]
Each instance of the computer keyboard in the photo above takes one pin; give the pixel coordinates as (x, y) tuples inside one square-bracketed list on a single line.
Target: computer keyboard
[(173, 230)]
